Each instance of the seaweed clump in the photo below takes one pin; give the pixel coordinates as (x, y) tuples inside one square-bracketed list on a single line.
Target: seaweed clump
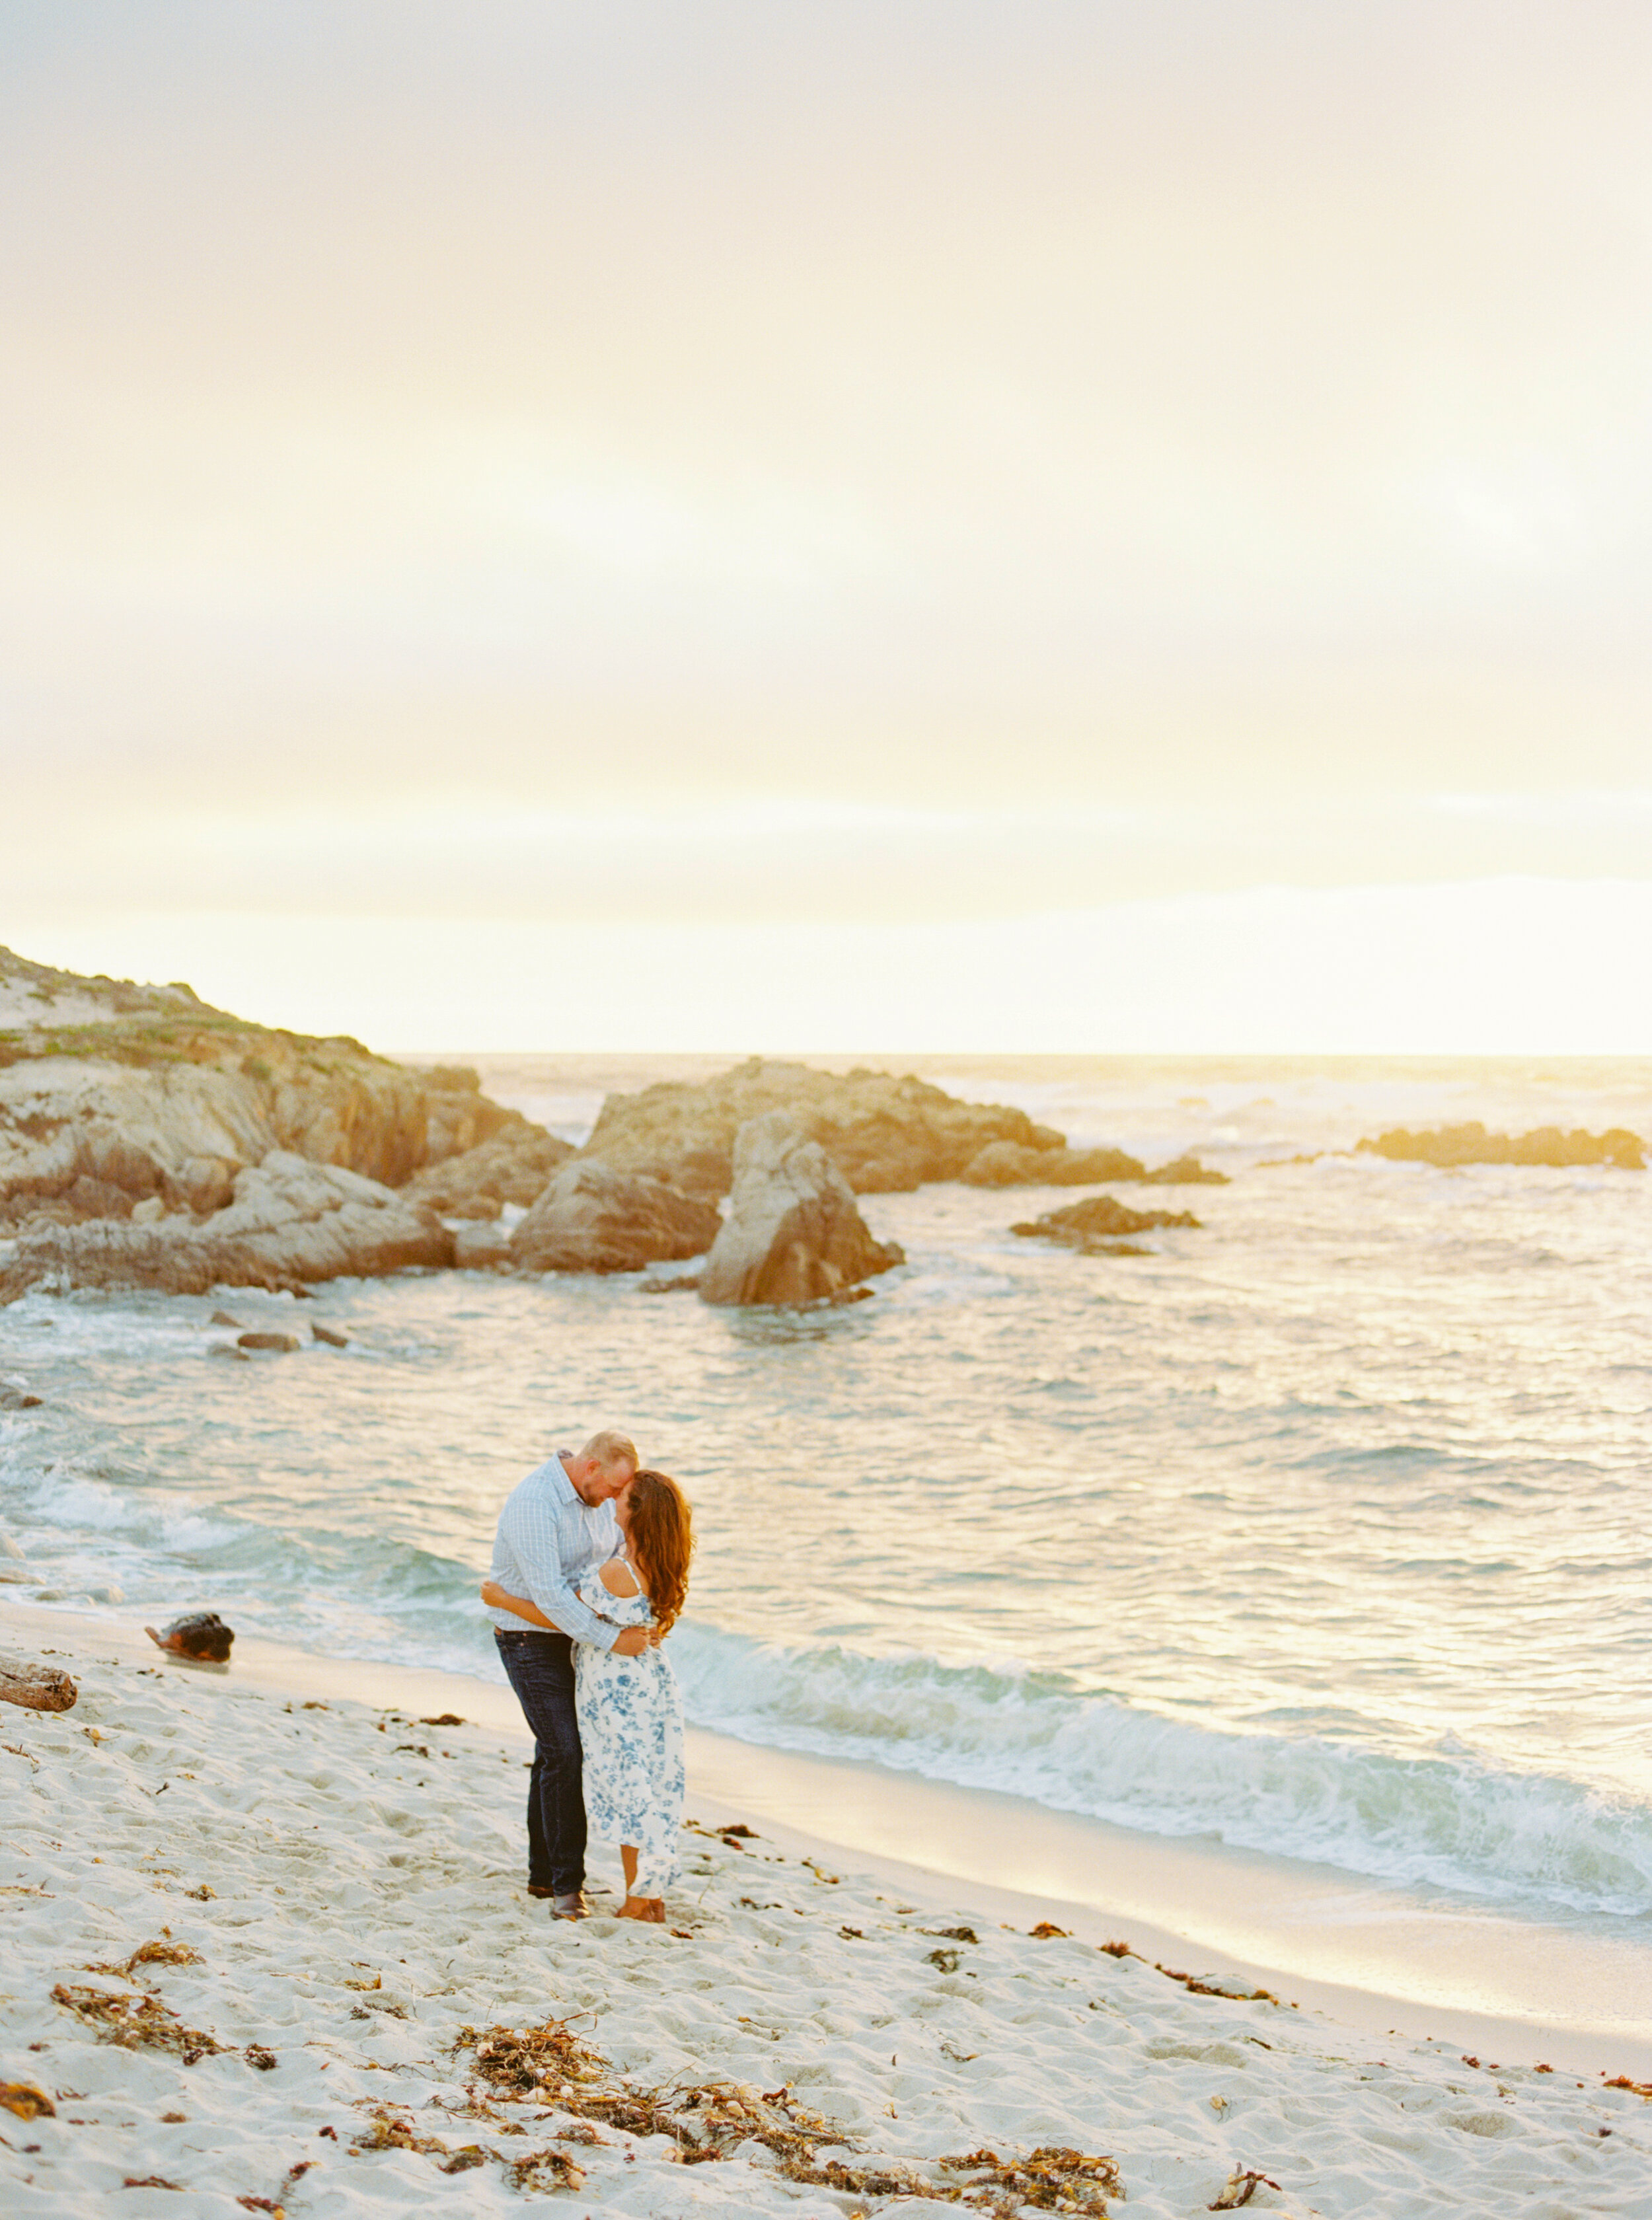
[(132, 2023)]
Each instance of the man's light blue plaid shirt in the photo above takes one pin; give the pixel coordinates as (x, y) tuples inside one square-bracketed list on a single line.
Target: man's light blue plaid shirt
[(548, 1540)]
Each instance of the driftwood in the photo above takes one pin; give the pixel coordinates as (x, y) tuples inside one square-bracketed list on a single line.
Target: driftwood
[(37, 1688)]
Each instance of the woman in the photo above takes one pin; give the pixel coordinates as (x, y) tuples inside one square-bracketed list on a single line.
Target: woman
[(630, 1712)]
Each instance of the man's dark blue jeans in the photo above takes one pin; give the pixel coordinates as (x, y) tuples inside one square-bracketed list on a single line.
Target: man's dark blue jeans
[(540, 1668)]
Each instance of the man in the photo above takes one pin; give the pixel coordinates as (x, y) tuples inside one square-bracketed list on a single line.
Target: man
[(557, 1525)]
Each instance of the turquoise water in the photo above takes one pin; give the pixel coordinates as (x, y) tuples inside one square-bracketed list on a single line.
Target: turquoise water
[(1323, 1530)]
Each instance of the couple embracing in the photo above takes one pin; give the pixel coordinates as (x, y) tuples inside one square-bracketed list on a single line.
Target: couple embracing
[(590, 1569)]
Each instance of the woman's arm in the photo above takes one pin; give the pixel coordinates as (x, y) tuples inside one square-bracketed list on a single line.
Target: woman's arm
[(498, 1599)]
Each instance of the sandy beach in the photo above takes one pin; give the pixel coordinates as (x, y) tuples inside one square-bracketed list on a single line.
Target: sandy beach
[(321, 1892)]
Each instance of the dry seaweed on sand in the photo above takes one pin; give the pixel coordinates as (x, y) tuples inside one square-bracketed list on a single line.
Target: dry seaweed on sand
[(135, 2022), (544, 2170), (388, 2128), (1242, 2186), (391, 2130), (163, 1951), (1192, 1982), (1052, 2179), (28, 2102), (708, 2120), (548, 2061)]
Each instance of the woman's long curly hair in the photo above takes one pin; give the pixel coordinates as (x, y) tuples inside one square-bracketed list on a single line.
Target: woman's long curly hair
[(660, 1539)]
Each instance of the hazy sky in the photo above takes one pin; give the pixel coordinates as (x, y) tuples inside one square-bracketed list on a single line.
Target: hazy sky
[(723, 494)]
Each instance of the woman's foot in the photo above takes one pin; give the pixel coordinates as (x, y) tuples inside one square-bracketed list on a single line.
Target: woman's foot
[(635, 1907)]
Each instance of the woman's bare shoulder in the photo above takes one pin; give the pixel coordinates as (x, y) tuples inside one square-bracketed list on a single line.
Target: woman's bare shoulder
[(618, 1578)]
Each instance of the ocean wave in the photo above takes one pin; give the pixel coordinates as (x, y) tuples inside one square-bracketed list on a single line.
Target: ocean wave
[(1454, 1819)]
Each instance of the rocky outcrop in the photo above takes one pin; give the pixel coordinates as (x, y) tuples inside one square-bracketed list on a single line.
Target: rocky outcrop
[(1094, 1225), (1185, 1172), (113, 1095), (883, 1134), (1007, 1163), (1471, 1144), (481, 1244), (512, 1167), (592, 1218), (793, 1234), (289, 1222)]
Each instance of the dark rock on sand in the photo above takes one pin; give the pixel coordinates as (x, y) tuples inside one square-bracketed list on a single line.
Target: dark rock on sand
[(291, 1221), (593, 1218), (794, 1234), (327, 1334), (883, 1134), (1471, 1144), (1099, 1221), (199, 1634)]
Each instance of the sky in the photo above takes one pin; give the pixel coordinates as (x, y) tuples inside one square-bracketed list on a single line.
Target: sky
[(862, 527)]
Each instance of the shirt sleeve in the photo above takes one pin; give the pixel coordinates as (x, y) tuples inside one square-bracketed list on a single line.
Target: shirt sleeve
[(538, 1552)]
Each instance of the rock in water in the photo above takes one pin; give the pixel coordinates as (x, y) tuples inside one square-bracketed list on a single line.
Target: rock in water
[(1471, 1144), (291, 1221), (795, 1234), (480, 1244), (884, 1134), (592, 1218), (283, 1344), (514, 1167), (1096, 1223)]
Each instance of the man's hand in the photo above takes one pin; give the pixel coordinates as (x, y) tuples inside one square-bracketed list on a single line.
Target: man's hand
[(631, 1642)]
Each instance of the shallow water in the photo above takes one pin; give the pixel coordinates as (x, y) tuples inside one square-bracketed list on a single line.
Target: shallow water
[(1323, 1530)]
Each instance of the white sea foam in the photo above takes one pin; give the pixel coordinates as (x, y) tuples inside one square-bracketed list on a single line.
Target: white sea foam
[(1454, 1820)]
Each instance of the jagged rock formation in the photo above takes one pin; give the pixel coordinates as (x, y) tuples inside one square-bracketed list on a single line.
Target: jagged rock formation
[(289, 1222), (116, 1098), (793, 1234), (1094, 1225), (592, 1218), (883, 1134), (512, 1167), (1471, 1144)]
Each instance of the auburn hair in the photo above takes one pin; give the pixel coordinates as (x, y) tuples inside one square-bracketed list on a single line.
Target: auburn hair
[(660, 1539)]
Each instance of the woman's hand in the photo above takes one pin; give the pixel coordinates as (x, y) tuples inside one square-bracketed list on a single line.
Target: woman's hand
[(631, 1642)]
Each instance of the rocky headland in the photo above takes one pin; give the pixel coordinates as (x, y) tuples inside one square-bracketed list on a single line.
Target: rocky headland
[(147, 1139), (150, 1140), (1470, 1143)]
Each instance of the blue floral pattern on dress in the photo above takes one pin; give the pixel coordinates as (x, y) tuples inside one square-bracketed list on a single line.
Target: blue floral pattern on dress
[(631, 1730)]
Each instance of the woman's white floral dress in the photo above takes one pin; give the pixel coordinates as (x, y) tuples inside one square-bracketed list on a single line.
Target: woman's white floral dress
[(631, 1732)]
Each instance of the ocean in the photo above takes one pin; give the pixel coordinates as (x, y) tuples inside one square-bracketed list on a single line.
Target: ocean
[(1325, 1531)]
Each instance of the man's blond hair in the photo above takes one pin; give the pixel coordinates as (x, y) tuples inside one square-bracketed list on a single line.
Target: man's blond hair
[(607, 1449)]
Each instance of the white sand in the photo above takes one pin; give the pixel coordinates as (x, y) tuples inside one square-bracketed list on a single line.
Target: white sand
[(334, 1856)]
